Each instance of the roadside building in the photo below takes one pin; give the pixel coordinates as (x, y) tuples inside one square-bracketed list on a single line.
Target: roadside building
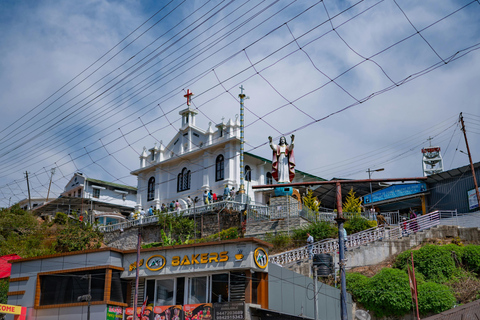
[(230, 279)]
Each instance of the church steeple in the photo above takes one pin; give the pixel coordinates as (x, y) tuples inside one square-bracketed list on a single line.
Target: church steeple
[(188, 117)]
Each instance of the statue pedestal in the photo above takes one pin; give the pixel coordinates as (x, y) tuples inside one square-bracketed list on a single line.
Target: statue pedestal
[(283, 191)]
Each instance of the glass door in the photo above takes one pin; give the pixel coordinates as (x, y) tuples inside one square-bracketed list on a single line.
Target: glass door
[(198, 290)]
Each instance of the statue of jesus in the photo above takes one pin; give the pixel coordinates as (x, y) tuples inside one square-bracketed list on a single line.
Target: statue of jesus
[(283, 162)]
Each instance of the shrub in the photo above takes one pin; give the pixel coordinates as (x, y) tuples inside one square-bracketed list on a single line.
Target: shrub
[(357, 224), (471, 258), (4, 285), (436, 263), (356, 285), (279, 240), (319, 230), (76, 237), (387, 293), (434, 298), (60, 218)]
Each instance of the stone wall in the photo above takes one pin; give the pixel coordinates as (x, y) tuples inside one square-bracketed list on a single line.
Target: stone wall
[(206, 225)]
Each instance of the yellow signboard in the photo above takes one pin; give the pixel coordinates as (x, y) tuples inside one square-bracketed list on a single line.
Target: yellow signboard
[(5, 308)]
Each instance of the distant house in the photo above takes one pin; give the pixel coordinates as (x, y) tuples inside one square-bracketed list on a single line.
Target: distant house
[(100, 191), (36, 202), (86, 195)]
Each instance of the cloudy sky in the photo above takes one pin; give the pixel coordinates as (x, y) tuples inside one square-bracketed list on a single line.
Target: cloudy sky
[(85, 85)]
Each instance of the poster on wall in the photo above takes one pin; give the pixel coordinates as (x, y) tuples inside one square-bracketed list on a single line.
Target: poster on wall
[(168, 313), (201, 311), (147, 314), (472, 199), (114, 312)]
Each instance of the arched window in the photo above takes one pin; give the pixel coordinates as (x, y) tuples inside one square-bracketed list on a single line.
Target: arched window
[(151, 189), (269, 178), (248, 173), (219, 168), (183, 182)]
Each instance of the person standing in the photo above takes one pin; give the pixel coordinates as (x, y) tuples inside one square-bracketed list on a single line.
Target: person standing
[(345, 239), (205, 197), (150, 211), (226, 193), (310, 245)]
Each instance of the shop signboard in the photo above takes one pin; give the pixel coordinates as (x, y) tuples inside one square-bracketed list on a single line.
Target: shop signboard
[(395, 191), (472, 199), (229, 311), (114, 312), (198, 311)]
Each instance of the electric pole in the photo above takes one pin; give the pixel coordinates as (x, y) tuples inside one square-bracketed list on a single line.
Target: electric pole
[(50, 184), (471, 163), (28, 187)]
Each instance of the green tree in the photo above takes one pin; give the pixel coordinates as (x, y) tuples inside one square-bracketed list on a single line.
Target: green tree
[(310, 201), (352, 204), (77, 236)]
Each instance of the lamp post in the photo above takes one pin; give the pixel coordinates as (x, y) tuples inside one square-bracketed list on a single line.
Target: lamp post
[(369, 178)]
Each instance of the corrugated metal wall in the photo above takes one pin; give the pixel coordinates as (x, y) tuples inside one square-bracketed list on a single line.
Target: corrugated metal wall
[(292, 293), (451, 194)]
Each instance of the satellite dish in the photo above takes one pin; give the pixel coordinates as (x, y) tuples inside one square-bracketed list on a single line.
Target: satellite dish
[(362, 315)]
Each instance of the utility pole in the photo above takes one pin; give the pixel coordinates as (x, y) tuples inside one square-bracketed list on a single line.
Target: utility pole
[(341, 249), (50, 184), (137, 273), (370, 177), (28, 187), (471, 162), (241, 191)]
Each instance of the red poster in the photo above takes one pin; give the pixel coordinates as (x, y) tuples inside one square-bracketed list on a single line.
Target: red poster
[(168, 313), (147, 315), (202, 311)]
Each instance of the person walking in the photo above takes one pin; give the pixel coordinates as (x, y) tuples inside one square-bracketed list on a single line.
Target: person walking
[(226, 193), (310, 245)]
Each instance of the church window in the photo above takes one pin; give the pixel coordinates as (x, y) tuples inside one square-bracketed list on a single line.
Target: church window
[(248, 173), (219, 168), (269, 178), (151, 189), (183, 182)]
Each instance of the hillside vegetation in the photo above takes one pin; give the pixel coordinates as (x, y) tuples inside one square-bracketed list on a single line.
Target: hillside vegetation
[(447, 275)]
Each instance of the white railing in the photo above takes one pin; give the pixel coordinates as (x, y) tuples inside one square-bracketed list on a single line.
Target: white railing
[(357, 239)]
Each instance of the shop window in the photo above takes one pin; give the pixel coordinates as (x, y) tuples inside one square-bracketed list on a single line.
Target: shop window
[(119, 287), (219, 168), (219, 288), (197, 290), (65, 288), (151, 189), (96, 193), (165, 292), (248, 173), (180, 292)]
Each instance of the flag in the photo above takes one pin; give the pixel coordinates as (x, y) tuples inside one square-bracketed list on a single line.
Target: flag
[(142, 311)]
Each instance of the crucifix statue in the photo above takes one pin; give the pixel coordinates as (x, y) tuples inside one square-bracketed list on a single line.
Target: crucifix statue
[(189, 97)]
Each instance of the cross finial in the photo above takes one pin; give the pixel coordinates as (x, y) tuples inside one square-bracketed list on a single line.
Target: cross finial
[(189, 97), (241, 89), (430, 140)]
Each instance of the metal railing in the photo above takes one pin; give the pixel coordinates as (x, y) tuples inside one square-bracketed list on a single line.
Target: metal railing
[(360, 238)]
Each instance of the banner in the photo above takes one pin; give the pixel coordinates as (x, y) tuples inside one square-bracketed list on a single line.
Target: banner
[(201, 311), (114, 312), (147, 315), (168, 312)]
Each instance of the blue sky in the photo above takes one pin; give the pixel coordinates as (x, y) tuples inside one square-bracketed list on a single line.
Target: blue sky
[(85, 85)]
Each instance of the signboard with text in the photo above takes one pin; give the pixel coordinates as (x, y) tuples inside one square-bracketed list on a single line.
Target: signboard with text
[(114, 312), (229, 311), (472, 199), (198, 311), (395, 191)]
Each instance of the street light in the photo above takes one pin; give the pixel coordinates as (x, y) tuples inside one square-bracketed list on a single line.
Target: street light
[(369, 178)]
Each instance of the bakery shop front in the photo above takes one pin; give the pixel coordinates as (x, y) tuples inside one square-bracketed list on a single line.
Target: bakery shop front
[(201, 281)]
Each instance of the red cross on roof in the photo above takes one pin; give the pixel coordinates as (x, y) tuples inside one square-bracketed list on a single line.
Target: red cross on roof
[(189, 97)]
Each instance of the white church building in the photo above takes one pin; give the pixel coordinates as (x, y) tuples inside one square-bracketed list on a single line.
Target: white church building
[(196, 160)]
